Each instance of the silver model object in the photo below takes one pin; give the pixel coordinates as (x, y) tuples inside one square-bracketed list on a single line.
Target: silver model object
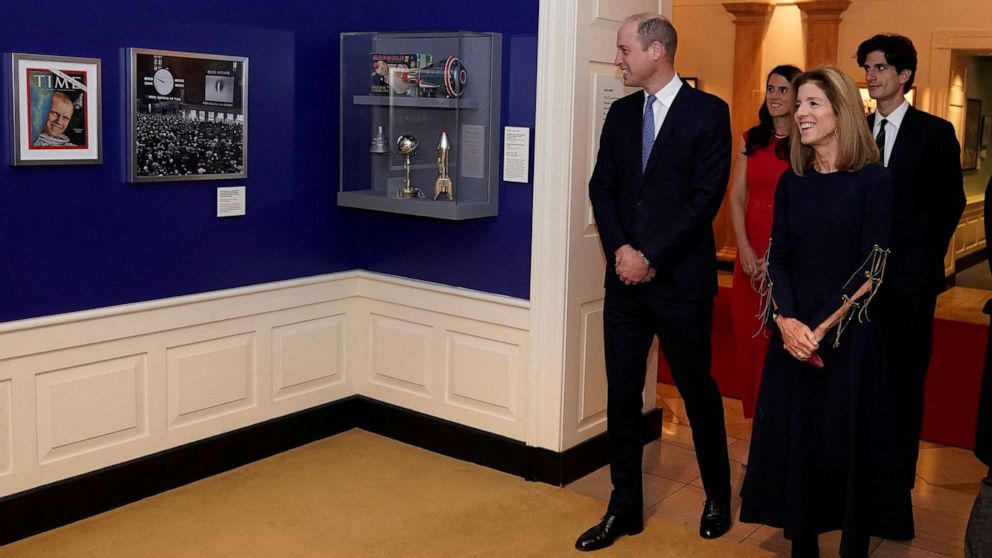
[(442, 184), (379, 145), (407, 145)]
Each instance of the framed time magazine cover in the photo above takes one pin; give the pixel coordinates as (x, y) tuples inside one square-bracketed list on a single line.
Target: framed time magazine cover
[(188, 116), (56, 110)]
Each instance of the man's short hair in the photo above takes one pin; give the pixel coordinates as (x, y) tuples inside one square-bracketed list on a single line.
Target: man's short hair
[(898, 50), (653, 27), (64, 97)]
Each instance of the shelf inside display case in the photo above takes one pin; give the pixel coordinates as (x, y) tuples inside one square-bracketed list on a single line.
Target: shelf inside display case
[(422, 102), (423, 207), (420, 117)]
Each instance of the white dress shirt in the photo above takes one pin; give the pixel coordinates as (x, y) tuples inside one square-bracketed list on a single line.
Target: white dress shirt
[(891, 128), (663, 100)]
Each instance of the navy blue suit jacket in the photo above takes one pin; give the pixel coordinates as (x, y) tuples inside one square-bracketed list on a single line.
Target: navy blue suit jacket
[(667, 212), (928, 197), (983, 438)]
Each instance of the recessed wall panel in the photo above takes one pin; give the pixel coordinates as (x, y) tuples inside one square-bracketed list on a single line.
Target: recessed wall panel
[(400, 353), (592, 375), (618, 10), (211, 378), (307, 355), (481, 373), (90, 406), (6, 429)]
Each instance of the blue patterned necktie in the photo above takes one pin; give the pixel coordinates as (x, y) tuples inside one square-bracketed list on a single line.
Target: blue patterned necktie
[(647, 132)]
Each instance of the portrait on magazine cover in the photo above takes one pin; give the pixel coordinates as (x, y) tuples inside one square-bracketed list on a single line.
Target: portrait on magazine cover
[(57, 110)]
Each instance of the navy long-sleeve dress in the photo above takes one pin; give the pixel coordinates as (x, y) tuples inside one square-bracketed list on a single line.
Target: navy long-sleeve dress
[(825, 447)]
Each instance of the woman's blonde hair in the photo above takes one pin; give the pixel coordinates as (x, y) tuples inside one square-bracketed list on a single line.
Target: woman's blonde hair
[(855, 145)]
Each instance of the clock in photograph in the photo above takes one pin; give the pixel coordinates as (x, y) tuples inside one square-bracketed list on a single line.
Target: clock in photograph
[(164, 82)]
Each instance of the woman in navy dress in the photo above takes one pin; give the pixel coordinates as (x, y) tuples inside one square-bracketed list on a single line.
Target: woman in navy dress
[(824, 452)]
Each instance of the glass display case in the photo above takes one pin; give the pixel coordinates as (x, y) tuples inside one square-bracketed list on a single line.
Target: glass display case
[(420, 116)]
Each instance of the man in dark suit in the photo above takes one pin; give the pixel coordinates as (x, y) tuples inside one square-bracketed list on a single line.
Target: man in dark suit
[(978, 537), (983, 435), (923, 155), (661, 172)]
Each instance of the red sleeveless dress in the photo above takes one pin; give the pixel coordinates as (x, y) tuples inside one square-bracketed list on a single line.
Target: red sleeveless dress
[(763, 171)]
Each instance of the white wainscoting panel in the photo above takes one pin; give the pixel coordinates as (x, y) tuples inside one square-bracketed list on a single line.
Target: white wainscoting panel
[(450, 353), (87, 390), (308, 356), (970, 235), (90, 406), (401, 354), (211, 378), (313, 350), (6, 429), (481, 375)]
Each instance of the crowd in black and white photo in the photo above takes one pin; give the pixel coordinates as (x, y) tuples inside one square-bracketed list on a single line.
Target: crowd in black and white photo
[(175, 145)]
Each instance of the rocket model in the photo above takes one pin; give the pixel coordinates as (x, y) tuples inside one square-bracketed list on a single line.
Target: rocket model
[(442, 184)]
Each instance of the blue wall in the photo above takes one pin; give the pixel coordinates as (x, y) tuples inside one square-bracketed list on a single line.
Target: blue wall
[(80, 237)]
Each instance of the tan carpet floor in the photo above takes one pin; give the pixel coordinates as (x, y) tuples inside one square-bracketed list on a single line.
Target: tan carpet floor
[(359, 495)]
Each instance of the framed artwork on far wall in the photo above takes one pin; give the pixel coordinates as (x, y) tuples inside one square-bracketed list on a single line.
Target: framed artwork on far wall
[(986, 130), (972, 130), (188, 116), (56, 116)]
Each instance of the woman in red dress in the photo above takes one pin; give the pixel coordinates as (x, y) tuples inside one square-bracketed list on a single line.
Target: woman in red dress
[(766, 157)]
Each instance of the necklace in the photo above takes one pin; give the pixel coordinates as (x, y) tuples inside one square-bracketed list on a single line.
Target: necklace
[(781, 136)]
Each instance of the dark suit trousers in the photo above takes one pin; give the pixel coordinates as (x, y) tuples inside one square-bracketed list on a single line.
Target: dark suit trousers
[(631, 319), (983, 435), (907, 325)]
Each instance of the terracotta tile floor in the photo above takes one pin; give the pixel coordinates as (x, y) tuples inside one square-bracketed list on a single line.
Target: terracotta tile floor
[(948, 480)]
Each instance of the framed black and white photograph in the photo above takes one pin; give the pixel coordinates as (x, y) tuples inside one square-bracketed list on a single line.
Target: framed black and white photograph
[(188, 116), (972, 132), (56, 110)]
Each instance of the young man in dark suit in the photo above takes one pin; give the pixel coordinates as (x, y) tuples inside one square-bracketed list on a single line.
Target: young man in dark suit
[(660, 176), (923, 155), (978, 537)]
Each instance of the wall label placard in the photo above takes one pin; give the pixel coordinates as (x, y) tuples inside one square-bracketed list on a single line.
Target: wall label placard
[(516, 154), (231, 201)]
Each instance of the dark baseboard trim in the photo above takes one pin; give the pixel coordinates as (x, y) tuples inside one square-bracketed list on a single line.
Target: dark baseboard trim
[(493, 451), (561, 468), (975, 258), (444, 437), (60, 503)]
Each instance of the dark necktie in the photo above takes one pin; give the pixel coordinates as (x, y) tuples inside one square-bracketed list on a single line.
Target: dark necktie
[(647, 132), (880, 140)]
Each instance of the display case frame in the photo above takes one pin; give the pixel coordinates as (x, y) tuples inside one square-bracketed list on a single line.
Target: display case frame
[(412, 97)]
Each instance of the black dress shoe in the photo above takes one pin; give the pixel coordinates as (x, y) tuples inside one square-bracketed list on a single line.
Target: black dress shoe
[(716, 519), (805, 548), (609, 529)]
